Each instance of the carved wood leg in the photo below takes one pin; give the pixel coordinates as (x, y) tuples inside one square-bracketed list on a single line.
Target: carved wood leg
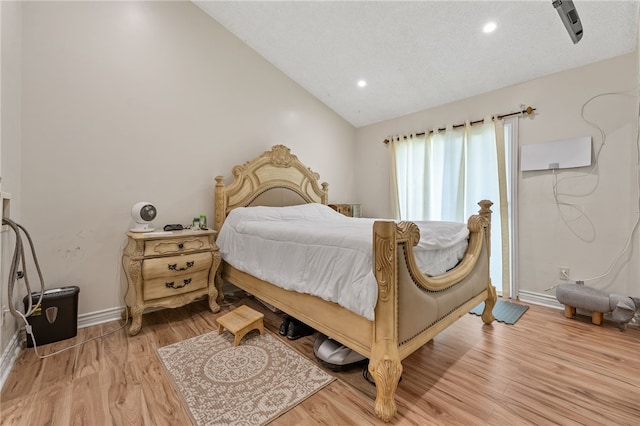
[(569, 311), (133, 298), (213, 296), (219, 283), (384, 363), (489, 303), (136, 320), (385, 369), (215, 283)]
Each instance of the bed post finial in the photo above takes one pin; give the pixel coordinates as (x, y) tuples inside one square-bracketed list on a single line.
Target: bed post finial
[(485, 212), (324, 199), (489, 303), (219, 204), (485, 208)]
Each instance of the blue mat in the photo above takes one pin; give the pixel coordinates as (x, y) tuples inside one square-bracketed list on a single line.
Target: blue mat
[(503, 311)]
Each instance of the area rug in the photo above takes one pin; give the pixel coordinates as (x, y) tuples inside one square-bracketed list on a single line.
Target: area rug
[(503, 311), (250, 384)]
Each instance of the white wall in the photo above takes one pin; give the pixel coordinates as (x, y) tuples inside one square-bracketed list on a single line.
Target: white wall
[(545, 242), (124, 102), (10, 101)]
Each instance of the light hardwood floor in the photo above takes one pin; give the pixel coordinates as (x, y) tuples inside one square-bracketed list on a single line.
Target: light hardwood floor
[(543, 370)]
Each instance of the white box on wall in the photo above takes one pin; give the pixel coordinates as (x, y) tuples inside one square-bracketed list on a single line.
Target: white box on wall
[(561, 154)]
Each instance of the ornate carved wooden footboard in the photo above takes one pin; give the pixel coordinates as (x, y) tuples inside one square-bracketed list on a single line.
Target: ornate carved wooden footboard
[(411, 307)]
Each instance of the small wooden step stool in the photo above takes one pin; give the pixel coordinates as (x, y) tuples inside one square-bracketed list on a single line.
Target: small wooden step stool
[(240, 321)]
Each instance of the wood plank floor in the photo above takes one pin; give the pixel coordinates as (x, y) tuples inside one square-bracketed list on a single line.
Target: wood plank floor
[(544, 370)]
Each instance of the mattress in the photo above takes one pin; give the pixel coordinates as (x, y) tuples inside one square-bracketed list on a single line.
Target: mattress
[(313, 249)]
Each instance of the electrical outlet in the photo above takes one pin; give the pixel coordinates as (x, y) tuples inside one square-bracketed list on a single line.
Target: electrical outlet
[(563, 274)]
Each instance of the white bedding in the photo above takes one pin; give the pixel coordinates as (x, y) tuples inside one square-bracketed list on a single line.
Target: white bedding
[(313, 249)]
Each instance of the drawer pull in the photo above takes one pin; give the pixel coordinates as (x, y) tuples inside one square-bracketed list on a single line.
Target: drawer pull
[(172, 283), (174, 266), (181, 246)]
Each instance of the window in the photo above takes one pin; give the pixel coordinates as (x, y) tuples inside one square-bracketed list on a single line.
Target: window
[(443, 175)]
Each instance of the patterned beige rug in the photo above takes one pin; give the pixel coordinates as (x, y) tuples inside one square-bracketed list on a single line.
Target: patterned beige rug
[(250, 384)]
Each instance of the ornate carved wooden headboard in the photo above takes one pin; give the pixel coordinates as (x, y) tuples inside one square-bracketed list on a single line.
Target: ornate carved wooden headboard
[(275, 178)]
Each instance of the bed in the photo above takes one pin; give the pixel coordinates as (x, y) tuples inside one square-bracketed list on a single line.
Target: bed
[(410, 307)]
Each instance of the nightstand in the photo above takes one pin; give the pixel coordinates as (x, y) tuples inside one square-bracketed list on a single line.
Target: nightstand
[(169, 269), (351, 210)]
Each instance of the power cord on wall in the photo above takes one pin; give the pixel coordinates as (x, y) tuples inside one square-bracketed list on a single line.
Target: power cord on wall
[(557, 194), (582, 213), (634, 229), (18, 263)]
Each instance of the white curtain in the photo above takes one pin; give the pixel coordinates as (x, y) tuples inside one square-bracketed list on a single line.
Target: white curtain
[(443, 175)]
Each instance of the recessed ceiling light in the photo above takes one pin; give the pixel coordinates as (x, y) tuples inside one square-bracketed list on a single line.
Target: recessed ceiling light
[(489, 27), (362, 83)]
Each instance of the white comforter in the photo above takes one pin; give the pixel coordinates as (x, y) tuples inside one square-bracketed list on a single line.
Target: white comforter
[(313, 249)]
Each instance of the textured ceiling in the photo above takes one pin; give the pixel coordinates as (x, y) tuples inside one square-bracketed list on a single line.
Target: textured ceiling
[(420, 54)]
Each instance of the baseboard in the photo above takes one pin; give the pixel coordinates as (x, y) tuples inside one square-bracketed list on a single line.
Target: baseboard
[(9, 357), (108, 315), (100, 317), (539, 299)]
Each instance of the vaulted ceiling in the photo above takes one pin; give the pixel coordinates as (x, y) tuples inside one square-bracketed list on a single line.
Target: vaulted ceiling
[(415, 55)]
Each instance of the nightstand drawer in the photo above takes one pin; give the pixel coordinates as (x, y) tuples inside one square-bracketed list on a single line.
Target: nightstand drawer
[(176, 246), (170, 286), (176, 265)]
